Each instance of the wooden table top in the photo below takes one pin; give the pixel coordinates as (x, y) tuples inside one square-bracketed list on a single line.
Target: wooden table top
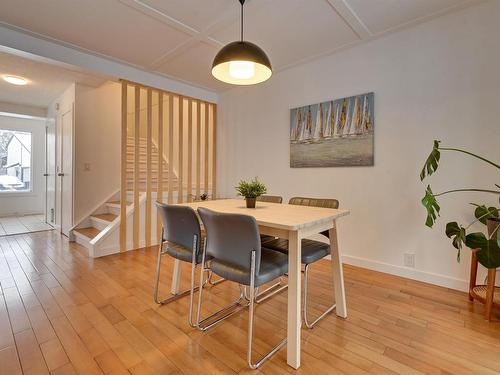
[(276, 215)]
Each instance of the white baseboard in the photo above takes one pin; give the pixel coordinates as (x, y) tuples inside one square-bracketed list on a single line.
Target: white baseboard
[(410, 273)]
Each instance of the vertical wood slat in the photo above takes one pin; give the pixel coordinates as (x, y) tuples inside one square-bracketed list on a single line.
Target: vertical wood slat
[(206, 159), (181, 150), (136, 220), (159, 183), (170, 148), (189, 152), (214, 151), (149, 146), (205, 153), (123, 177), (198, 149)]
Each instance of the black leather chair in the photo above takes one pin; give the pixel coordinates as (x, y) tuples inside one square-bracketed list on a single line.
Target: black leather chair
[(312, 251), (181, 239), (233, 245)]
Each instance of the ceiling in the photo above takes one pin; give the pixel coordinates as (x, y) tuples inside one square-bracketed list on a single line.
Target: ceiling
[(179, 38), (46, 81)]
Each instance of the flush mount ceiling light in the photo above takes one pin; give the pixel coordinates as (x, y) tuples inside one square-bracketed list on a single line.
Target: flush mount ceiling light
[(15, 80), (241, 63)]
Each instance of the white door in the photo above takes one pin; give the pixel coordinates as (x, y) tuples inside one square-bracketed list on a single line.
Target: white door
[(50, 173), (64, 169)]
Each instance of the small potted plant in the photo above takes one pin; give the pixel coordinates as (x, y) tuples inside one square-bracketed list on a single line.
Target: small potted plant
[(251, 190)]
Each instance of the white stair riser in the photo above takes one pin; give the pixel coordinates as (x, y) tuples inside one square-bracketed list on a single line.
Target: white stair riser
[(113, 209), (99, 223)]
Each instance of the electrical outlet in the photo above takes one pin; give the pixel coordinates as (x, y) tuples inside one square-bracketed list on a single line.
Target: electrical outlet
[(409, 260)]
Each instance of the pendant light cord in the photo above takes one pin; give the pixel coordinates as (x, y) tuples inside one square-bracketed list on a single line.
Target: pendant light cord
[(242, 2)]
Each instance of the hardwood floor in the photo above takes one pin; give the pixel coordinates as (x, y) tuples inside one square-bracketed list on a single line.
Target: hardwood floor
[(62, 313)]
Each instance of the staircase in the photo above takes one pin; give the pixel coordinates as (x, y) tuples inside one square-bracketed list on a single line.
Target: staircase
[(155, 157), (99, 232)]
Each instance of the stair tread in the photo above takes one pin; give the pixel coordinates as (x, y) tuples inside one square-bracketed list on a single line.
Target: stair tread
[(118, 202), (105, 217), (89, 232)]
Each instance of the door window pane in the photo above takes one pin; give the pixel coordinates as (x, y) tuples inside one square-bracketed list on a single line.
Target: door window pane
[(15, 161)]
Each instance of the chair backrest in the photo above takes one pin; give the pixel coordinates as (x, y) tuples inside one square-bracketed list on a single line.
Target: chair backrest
[(270, 198), (231, 238), (316, 202), (180, 225)]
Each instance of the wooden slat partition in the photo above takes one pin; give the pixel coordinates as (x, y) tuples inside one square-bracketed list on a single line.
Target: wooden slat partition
[(137, 113), (189, 186), (198, 149), (123, 176), (149, 146), (158, 140), (214, 151), (180, 170), (159, 191), (170, 148), (206, 158)]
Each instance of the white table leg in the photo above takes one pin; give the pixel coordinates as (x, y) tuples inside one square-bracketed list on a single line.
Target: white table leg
[(338, 274), (294, 300), (176, 277)]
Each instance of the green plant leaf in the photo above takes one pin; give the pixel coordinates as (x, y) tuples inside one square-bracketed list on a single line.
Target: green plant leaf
[(498, 238), (456, 233), (483, 213), (431, 205), (489, 251), (431, 164), (251, 189)]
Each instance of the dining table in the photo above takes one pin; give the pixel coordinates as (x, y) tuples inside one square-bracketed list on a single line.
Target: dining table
[(291, 222)]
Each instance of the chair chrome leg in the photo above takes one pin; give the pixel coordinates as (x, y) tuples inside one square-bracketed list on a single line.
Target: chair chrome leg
[(216, 282), (158, 264), (308, 324), (252, 296), (269, 292), (220, 315), (192, 289)]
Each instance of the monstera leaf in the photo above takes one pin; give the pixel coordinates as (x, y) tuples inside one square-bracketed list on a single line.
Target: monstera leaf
[(431, 205), (483, 213), (431, 164), (457, 234), (489, 251)]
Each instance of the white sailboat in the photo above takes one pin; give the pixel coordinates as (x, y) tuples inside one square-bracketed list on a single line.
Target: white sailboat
[(355, 121), (318, 128)]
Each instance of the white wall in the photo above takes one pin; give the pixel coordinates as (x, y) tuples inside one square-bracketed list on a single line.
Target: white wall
[(97, 143), (29, 202), (438, 80)]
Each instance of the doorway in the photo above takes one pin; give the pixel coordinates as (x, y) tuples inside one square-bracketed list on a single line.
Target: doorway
[(64, 169)]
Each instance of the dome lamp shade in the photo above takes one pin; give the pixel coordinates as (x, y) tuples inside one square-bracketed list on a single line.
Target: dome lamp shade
[(241, 62)]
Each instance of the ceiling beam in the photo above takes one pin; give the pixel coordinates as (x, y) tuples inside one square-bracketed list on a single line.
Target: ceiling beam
[(350, 18), (39, 45)]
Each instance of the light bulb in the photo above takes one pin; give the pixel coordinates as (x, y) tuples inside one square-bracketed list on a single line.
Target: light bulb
[(18, 81), (242, 69)]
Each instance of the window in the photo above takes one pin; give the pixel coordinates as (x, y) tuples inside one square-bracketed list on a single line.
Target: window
[(15, 161)]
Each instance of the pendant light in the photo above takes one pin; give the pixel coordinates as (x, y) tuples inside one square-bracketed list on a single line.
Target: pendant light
[(241, 63)]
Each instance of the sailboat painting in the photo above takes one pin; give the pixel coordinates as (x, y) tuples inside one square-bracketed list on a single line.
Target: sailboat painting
[(336, 133)]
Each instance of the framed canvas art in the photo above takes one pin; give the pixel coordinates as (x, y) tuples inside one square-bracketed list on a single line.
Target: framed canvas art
[(336, 133)]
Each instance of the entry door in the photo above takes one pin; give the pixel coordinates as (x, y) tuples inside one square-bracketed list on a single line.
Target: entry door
[(64, 182), (50, 173)]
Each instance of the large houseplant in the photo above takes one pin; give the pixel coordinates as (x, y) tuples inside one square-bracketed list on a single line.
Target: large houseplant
[(488, 253), (251, 190)]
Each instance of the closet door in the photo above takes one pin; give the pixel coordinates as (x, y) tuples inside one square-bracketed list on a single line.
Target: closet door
[(50, 173), (64, 181)]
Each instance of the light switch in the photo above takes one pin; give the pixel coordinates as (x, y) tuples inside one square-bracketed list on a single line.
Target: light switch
[(86, 167)]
